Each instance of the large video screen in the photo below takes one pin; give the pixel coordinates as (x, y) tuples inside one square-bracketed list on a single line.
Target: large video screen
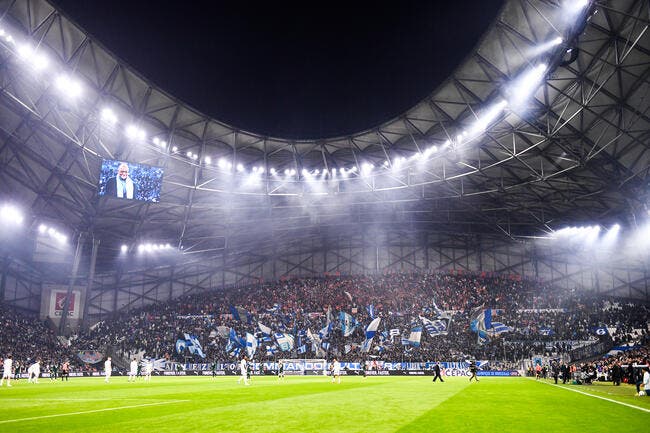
[(130, 181)]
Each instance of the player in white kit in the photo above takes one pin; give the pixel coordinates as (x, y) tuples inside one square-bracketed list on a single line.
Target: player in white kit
[(7, 370), (133, 370), (243, 367), (108, 369), (148, 369), (34, 371), (336, 370)]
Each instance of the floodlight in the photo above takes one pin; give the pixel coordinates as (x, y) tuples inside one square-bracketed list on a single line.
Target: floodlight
[(222, 163), (42, 228), (109, 116), (240, 167), (260, 170), (286, 172), (134, 133), (207, 160), (526, 84), (488, 117), (69, 86), (37, 60), (272, 171), (10, 214), (124, 248), (175, 149), (575, 6)]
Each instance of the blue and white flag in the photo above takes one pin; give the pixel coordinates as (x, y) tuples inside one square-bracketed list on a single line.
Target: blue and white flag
[(285, 341), (251, 344), (371, 311), (325, 332), (274, 309), (484, 327), (546, 331), (371, 330), (415, 336), (193, 345), (265, 329), (348, 323), (600, 330), (302, 349), (270, 350), (326, 345), (234, 342), (435, 327), (240, 314), (181, 345)]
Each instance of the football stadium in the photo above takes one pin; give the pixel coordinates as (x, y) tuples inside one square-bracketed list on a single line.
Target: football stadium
[(478, 260)]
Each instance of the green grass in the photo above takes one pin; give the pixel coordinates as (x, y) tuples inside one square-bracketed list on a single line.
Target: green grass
[(313, 404)]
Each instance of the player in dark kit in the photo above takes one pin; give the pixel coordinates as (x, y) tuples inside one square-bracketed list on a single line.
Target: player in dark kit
[(473, 369), (436, 372)]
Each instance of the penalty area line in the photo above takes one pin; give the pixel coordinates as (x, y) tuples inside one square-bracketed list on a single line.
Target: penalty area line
[(32, 418), (602, 398)]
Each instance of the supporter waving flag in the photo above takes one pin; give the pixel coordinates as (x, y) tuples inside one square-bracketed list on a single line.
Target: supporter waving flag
[(285, 341), (265, 329), (348, 323), (371, 311), (371, 330), (251, 344)]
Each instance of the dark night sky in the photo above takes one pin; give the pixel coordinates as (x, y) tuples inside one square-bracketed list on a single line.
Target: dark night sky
[(317, 70)]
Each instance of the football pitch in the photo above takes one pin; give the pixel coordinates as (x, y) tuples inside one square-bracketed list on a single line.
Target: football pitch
[(314, 404)]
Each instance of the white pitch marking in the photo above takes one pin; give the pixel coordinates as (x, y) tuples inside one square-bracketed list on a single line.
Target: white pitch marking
[(91, 411), (602, 398)]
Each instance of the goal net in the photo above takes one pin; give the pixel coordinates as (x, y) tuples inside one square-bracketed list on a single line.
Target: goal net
[(297, 366)]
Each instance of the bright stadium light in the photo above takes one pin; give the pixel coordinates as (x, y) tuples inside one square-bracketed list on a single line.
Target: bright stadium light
[(487, 118), (575, 6), (68, 86), (272, 171), (124, 248), (207, 160), (134, 133), (610, 238), (11, 215), (545, 46), (240, 167), (37, 60), (525, 85), (109, 116)]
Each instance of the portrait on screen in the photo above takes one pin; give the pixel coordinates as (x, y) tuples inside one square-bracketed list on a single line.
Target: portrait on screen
[(130, 181)]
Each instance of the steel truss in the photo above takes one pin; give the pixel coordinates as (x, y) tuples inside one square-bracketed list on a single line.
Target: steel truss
[(577, 154)]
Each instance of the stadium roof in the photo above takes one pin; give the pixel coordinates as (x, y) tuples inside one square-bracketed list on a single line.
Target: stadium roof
[(480, 154)]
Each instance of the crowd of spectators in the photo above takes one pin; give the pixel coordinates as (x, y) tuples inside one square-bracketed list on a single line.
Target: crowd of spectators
[(544, 320)]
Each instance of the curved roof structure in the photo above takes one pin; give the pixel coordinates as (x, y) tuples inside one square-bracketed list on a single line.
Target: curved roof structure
[(575, 150)]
